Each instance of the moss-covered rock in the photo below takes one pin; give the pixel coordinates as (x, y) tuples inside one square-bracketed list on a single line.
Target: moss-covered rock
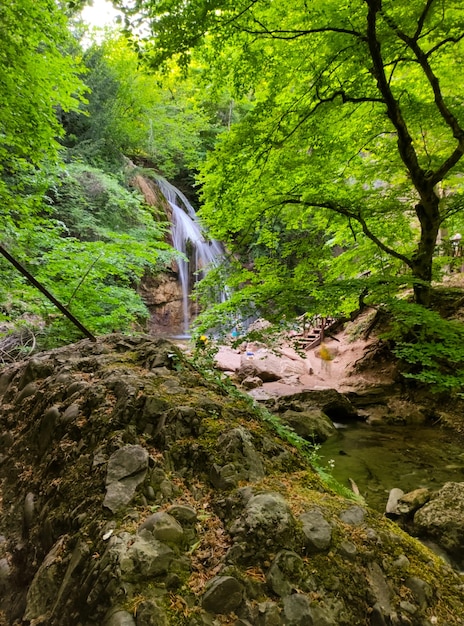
[(224, 522)]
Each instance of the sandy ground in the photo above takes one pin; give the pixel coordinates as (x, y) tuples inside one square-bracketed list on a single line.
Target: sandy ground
[(341, 373)]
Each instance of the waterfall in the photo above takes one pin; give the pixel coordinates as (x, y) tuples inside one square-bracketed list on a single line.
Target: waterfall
[(188, 238)]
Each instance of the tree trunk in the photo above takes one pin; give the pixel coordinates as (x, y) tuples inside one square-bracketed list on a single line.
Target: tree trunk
[(428, 214)]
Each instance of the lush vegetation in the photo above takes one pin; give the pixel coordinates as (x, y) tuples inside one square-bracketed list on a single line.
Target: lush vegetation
[(326, 140)]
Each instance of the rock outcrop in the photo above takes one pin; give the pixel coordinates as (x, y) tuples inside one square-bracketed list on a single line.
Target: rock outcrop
[(137, 492)]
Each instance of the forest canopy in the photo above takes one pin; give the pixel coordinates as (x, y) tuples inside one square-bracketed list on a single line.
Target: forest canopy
[(353, 141)]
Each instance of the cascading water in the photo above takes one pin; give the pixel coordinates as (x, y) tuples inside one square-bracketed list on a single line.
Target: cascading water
[(188, 238)]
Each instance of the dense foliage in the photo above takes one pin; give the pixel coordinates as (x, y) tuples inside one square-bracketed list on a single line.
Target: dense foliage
[(355, 134)]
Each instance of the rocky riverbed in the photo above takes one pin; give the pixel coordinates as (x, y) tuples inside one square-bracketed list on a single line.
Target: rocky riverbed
[(138, 492)]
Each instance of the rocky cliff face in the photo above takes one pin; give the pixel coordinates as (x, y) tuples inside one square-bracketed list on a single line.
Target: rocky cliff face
[(135, 492)]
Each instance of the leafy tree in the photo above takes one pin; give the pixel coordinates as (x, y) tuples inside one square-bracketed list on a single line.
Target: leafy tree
[(36, 77), (356, 129), (131, 112)]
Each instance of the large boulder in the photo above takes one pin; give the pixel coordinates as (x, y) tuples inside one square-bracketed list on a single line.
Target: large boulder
[(441, 519)]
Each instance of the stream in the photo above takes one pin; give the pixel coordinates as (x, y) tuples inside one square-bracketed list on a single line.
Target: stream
[(380, 457)]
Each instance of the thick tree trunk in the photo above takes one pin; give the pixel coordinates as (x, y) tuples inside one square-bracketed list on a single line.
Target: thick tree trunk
[(428, 214)]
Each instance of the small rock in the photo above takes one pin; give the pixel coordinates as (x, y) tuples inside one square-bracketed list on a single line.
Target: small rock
[(394, 496), (223, 595), (71, 413), (348, 549), (353, 516), (183, 513), (125, 462), (410, 502), (164, 527), (120, 618), (316, 529)]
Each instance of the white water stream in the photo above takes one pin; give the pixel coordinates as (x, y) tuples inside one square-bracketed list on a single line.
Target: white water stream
[(188, 238)]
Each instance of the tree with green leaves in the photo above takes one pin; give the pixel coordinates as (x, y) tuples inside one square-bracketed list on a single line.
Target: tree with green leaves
[(36, 77), (356, 132)]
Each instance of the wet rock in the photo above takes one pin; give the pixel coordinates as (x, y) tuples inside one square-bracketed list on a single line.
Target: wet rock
[(223, 595), (334, 404), (442, 519), (313, 425), (410, 502), (316, 529)]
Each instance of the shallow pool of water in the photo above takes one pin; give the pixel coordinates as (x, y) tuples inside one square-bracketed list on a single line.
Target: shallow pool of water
[(380, 457)]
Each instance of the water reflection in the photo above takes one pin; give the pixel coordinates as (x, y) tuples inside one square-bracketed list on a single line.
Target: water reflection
[(380, 457)]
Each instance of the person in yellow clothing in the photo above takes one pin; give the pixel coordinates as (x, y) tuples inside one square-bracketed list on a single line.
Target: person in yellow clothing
[(326, 355)]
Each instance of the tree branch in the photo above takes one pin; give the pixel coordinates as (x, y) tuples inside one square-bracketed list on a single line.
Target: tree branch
[(356, 216)]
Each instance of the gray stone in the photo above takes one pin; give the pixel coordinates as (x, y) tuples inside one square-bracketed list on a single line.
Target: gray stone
[(347, 549), (223, 595), (47, 427), (29, 509), (312, 425), (316, 529), (120, 493), (29, 390), (127, 469), (120, 618), (379, 587), (126, 461), (183, 513), (353, 516), (5, 571), (44, 587), (286, 573), (297, 610), (164, 527), (237, 447), (421, 591), (266, 521), (145, 556), (442, 520), (268, 614), (150, 614), (71, 413)]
